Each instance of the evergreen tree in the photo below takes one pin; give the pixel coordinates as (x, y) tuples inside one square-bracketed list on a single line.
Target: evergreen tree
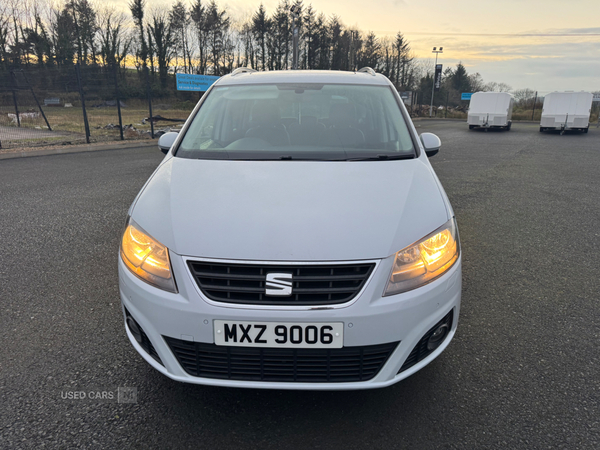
[(199, 17), (63, 37), (137, 11), (179, 21), (161, 35), (370, 53), (261, 27), (460, 79)]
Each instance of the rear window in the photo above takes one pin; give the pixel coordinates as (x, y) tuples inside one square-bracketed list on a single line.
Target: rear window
[(298, 122)]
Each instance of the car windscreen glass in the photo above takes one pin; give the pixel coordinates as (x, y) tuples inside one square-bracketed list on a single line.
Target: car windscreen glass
[(298, 122)]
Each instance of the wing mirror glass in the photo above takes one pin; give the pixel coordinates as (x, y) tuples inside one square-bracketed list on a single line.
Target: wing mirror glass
[(431, 143)]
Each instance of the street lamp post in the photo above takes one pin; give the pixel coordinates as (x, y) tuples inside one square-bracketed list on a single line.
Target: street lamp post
[(441, 50)]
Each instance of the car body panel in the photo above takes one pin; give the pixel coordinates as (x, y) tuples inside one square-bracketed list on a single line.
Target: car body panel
[(292, 210)]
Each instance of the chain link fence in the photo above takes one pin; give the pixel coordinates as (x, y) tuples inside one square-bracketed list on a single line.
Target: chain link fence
[(84, 104)]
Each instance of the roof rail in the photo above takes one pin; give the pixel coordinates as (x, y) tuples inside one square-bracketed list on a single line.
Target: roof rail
[(242, 70), (368, 70)]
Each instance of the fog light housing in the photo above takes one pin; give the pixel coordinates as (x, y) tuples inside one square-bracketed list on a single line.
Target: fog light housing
[(438, 336), (135, 330), (430, 341), (140, 336)]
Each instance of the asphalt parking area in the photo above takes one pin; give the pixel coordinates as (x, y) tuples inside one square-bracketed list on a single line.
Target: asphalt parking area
[(522, 371)]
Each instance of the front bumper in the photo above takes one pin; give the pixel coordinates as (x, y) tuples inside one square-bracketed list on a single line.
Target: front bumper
[(368, 320), (488, 120)]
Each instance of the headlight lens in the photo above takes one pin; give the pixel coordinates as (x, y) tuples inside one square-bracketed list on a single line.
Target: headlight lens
[(425, 260), (147, 258)]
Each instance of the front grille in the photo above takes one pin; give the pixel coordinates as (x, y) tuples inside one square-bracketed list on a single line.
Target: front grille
[(420, 352), (311, 284), (340, 365)]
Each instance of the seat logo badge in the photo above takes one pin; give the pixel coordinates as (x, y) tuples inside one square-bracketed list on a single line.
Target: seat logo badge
[(279, 284)]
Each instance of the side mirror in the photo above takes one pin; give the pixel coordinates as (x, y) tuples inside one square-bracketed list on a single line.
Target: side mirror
[(431, 143), (166, 141)]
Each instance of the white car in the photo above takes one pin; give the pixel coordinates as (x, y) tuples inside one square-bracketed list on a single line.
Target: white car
[(295, 236)]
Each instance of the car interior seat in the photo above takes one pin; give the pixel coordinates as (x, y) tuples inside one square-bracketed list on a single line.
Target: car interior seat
[(306, 132), (266, 124), (343, 130)]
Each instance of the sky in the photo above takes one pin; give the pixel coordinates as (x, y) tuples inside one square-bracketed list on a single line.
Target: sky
[(545, 45)]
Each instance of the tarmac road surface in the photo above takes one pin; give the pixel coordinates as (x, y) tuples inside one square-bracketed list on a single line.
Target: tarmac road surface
[(521, 372)]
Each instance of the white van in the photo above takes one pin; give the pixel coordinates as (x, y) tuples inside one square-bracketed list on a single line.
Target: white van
[(490, 110), (295, 236)]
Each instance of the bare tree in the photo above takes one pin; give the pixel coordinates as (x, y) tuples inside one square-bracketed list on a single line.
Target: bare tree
[(4, 33), (17, 48), (477, 84), (38, 41), (84, 19), (524, 96), (503, 87), (114, 41)]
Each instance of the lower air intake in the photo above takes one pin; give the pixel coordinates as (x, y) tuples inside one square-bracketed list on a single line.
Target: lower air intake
[(341, 365)]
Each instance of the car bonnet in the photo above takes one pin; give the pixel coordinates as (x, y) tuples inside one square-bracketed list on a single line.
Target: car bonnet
[(290, 210)]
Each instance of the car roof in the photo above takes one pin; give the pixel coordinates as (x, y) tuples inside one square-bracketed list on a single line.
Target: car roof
[(303, 76)]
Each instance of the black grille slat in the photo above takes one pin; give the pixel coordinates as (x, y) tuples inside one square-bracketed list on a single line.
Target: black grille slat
[(327, 278), (312, 284), (233, 289), (347, 364), (228, 276)]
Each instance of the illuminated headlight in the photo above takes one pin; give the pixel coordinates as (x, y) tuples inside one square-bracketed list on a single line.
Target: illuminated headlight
[(425, 260), (147, 258)]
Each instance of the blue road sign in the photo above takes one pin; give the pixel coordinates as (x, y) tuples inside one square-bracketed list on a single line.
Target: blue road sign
[(466, 96), (188, 82)]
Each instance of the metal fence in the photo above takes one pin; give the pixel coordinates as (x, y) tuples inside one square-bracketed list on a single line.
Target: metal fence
[(79, 104), (56, 105), (526, 109)]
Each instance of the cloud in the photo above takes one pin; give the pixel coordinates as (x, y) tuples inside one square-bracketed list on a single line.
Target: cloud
[(545, 74), (595, 31)]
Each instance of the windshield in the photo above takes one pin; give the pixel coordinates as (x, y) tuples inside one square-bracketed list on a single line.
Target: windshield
[(298, 122)]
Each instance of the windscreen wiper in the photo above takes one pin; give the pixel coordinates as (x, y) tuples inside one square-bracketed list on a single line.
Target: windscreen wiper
[(381, 157)]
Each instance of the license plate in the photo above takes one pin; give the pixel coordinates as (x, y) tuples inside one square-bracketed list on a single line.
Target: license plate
[(279, 335)]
